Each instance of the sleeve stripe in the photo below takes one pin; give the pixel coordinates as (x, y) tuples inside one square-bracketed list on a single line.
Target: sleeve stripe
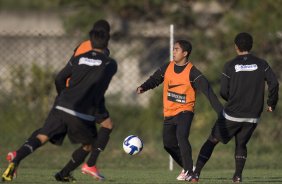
[(266, 69), (226, 75), (196, 78)]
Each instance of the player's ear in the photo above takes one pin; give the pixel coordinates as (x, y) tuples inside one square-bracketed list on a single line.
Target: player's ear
[(236, 47), (185, 53)]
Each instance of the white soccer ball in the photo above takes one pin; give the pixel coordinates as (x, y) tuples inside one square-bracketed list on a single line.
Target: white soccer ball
[(132, 145)]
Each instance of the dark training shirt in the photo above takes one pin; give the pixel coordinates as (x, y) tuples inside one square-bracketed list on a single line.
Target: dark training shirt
[(90, 75), (243, 85)]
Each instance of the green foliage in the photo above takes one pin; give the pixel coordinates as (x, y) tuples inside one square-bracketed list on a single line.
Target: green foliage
[(26, 106)]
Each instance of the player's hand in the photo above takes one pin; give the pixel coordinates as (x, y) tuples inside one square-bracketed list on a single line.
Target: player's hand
[(139, 90), (269, 109)]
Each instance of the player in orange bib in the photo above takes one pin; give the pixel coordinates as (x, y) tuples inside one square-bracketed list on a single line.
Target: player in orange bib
[(181, 79)]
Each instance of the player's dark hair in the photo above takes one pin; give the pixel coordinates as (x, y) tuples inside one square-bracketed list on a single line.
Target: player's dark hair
[(244, 41), (186, 46), (99, 35), (102, 23)]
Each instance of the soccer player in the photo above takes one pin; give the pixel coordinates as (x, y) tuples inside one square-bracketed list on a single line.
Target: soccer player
[(242, 86), (181, 81), (76, 107), (106, 125)]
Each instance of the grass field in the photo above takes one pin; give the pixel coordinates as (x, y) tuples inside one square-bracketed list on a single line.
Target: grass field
[(151, 166), (146, 168), (152, 176)]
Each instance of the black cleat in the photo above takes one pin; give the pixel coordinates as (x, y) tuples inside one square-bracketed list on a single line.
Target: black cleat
[(237, 179), (195, 177), (61, 178)]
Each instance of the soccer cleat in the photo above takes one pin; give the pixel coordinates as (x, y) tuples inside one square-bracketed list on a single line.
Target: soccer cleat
[(9, 172), (92, 171), (183, 176), (195, 177), (237, 179), (61, 178), (10, 157)]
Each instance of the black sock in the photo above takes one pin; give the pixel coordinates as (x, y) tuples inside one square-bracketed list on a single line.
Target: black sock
[(78, 157), (102, 138), (100, 144), (33, 135), (93, 157), (204, 155), (240, 163), (26, 149)]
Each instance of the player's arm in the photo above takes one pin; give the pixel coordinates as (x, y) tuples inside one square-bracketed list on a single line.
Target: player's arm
[(200, 82), (224, 83), (62, 76), (109, 72), (273, 88), (155, 80)]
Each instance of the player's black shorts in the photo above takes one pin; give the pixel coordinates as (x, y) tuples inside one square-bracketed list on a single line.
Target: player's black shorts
[(225, 129), (59, 123)]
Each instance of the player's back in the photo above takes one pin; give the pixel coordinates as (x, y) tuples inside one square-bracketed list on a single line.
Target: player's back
[(84, 90), (246, 86)]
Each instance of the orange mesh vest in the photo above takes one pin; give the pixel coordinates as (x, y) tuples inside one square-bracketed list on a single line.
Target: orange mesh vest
[(81, 49), (178, 94)]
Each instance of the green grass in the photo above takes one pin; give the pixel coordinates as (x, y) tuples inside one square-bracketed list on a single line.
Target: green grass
[(150, 176), (262, 166)]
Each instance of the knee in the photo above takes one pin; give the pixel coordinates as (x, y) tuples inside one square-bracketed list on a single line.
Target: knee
[(168, 148), (87, 147), (42, 138), (241, 149), (107, 123), (181, 136), (168, 145), (213, 139)]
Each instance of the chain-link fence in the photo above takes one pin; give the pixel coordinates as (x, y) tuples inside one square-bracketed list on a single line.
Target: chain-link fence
[(137, 56), (30, 62)]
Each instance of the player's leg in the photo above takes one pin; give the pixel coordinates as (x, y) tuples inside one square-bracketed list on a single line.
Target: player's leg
[(170, 142), (12, 154), (241, 140), (30, 147), (25, 150), (204, 156), (51, 127), (84, 132), (171, 145), (77, 158), (219, 133), (102, 140), (184, 121), (103, 136)]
